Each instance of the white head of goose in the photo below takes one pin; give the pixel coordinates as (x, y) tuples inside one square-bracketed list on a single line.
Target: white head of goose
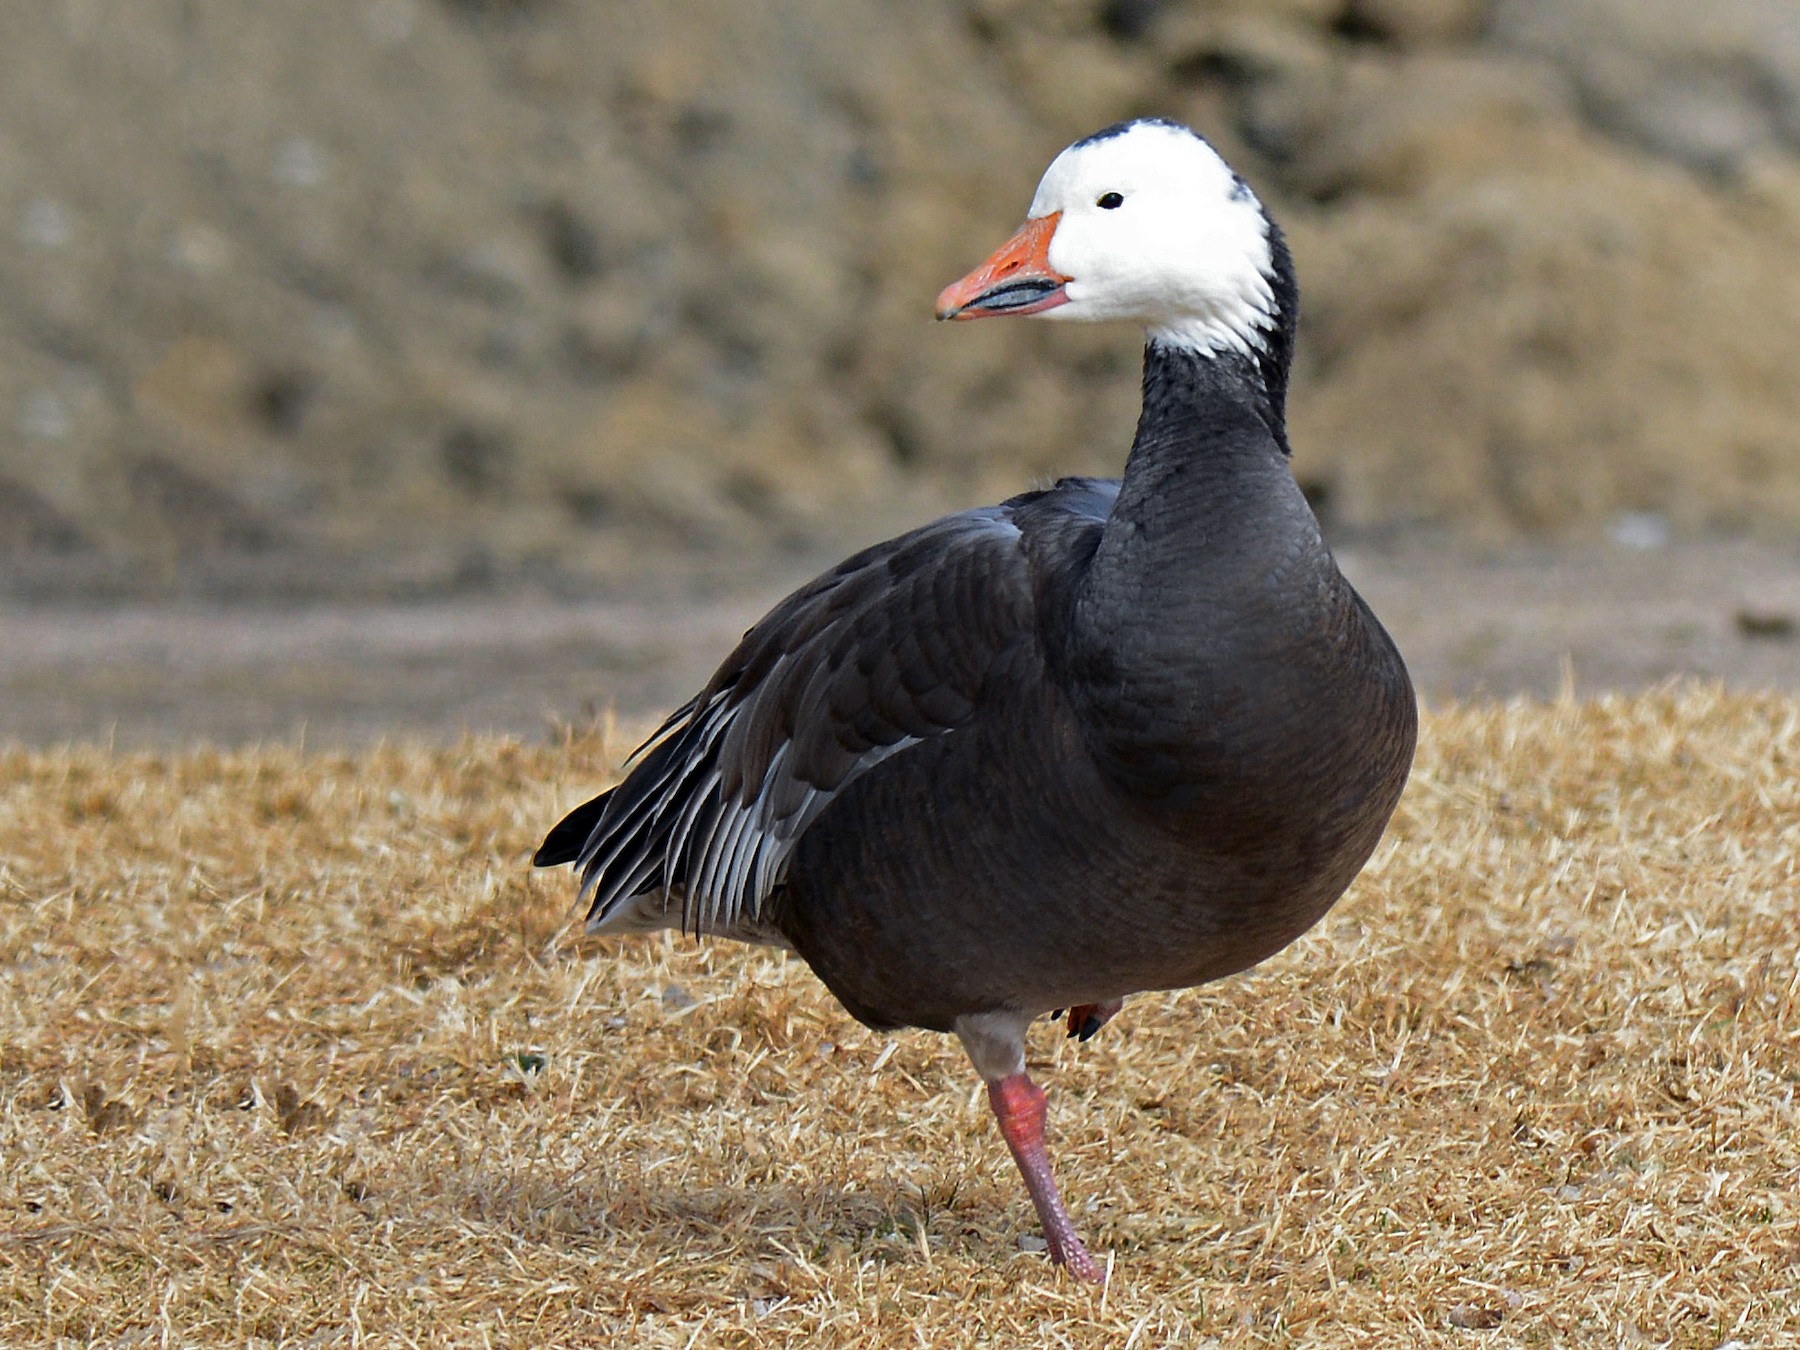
[(1143, 222), (1107, 737)]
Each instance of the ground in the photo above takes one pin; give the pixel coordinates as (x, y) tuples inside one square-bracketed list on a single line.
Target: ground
[(296, 1050), (1521, 619)]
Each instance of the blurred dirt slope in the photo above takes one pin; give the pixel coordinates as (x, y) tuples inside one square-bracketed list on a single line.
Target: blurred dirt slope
[(399, 295)]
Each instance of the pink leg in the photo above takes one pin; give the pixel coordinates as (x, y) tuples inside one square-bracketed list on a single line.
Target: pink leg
[(1088, 1018), (1019, 1106)]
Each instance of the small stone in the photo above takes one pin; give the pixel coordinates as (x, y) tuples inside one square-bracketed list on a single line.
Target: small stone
[(391, 22), (1472, 1318), (1646, 530), (1766, 623), (676, 999), (200, 248), (45, 223), (300, 162), (43, 416)]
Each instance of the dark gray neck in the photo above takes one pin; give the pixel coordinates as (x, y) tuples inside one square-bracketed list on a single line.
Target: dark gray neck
[(1209, 462), (1210, 533)]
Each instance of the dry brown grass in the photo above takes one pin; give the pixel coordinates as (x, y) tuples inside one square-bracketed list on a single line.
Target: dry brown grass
[(294, 1048)]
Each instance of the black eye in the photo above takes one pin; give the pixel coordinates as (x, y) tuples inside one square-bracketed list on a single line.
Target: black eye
[(1110, 201)]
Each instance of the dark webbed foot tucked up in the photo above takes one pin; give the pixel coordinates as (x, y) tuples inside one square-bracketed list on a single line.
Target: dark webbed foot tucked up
[(1087, 1018)]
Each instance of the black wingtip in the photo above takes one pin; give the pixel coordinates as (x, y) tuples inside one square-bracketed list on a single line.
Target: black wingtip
[(564, 843)]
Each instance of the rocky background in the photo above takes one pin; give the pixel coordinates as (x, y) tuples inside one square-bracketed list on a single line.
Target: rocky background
[(393, 297)]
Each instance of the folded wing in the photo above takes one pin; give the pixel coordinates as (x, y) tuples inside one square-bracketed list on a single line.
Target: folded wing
[(892, 647)]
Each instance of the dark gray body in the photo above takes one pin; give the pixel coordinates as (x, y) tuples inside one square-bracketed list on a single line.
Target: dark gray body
[(1104, 738)]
